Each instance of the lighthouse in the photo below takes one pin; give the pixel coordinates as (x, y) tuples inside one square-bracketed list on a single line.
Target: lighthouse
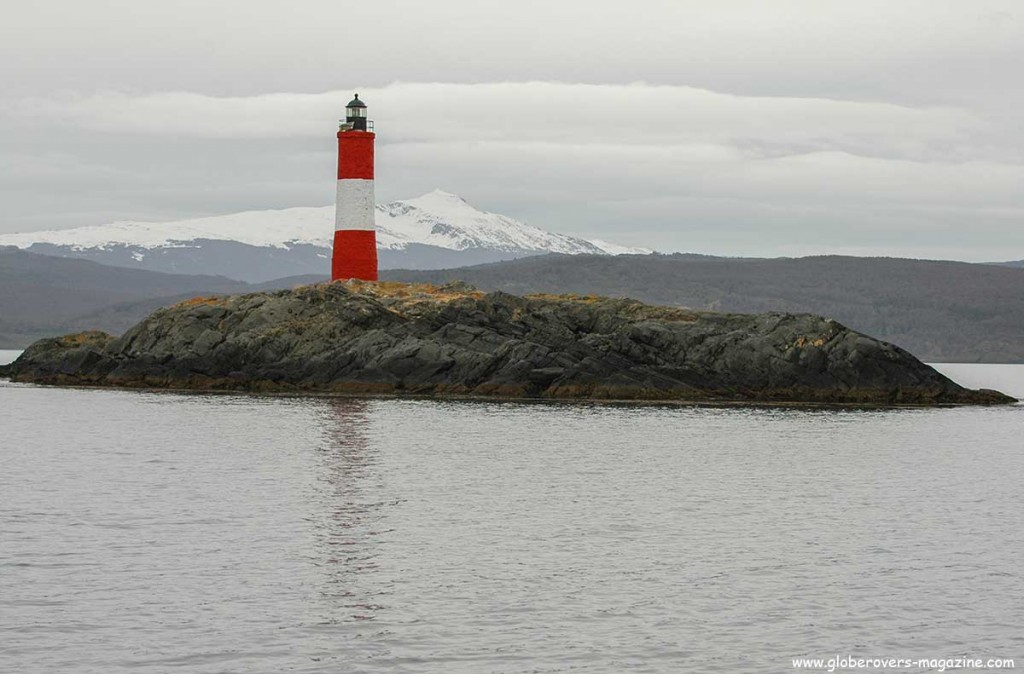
[(355, 239)]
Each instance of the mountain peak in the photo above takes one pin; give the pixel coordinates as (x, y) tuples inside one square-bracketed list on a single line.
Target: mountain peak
[(438, 200), (438, 193)]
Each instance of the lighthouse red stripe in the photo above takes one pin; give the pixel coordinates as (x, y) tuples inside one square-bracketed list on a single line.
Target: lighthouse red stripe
[(355, 255), (355, 155)]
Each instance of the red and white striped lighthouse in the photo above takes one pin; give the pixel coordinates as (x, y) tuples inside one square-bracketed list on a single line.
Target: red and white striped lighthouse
[(355, 239)]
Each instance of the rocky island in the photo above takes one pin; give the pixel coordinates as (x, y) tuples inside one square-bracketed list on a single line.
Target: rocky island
[(452, 340)]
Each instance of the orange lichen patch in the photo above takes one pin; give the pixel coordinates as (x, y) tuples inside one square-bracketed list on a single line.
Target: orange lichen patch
[(87, 337), (568, 297), (196, 301), (804, 341), (396, 288), (412, 291), (425, 291), (625, 307), (646, 312)]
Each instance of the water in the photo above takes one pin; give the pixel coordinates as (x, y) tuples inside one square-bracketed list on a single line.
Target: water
[(1006, 378), (8, 356), (158, 532)]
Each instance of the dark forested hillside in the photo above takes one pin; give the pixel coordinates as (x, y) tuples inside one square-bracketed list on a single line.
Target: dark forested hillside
[(42, 296), (940, 311)]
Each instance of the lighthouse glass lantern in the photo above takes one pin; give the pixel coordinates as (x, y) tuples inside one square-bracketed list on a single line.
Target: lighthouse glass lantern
[(355, 114)]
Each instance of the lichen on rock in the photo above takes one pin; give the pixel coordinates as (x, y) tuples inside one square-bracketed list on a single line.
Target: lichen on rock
[(388, 337)]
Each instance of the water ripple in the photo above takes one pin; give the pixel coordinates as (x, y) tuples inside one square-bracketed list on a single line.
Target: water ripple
[(146, 532)]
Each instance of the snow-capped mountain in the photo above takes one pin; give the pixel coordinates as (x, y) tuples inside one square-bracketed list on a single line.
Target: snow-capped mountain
[(445, 220), (436, 230)]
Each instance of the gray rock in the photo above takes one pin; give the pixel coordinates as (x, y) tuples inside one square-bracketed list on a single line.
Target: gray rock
[(389, 338)]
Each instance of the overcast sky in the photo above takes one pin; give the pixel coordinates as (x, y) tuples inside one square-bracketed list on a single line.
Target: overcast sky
[(731, 127)]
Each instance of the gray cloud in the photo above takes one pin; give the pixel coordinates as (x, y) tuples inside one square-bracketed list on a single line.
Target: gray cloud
[(734, 127), (917, 50)]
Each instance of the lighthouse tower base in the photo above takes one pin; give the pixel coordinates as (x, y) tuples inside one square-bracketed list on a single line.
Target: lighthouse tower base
[(355, 255)]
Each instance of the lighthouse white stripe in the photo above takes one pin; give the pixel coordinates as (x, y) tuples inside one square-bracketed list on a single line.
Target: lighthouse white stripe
[(355, 204)]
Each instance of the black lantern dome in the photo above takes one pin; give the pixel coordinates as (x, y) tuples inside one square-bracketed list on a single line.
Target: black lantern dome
[(355, 114)]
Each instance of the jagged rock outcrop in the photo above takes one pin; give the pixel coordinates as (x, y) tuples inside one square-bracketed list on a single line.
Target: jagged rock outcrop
[(454, 340)]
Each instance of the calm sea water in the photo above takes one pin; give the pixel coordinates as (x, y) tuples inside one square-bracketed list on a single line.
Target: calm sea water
[(158, 532), (8, 356)]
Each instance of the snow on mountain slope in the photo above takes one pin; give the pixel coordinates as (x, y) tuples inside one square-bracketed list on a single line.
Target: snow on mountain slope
[(275, 228), (436, 219), (447, 221)]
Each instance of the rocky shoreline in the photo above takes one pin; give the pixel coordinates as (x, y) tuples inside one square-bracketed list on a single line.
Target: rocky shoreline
[(452, 340)]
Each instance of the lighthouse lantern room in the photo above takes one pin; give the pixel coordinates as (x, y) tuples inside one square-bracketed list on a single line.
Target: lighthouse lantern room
[(355, 239), (355, 114)]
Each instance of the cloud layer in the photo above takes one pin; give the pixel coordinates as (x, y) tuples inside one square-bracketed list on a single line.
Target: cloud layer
[(737, 127)]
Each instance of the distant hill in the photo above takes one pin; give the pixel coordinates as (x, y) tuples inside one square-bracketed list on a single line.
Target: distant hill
[(939, 311), (43, 296), (434, 231), (1015, 263)]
